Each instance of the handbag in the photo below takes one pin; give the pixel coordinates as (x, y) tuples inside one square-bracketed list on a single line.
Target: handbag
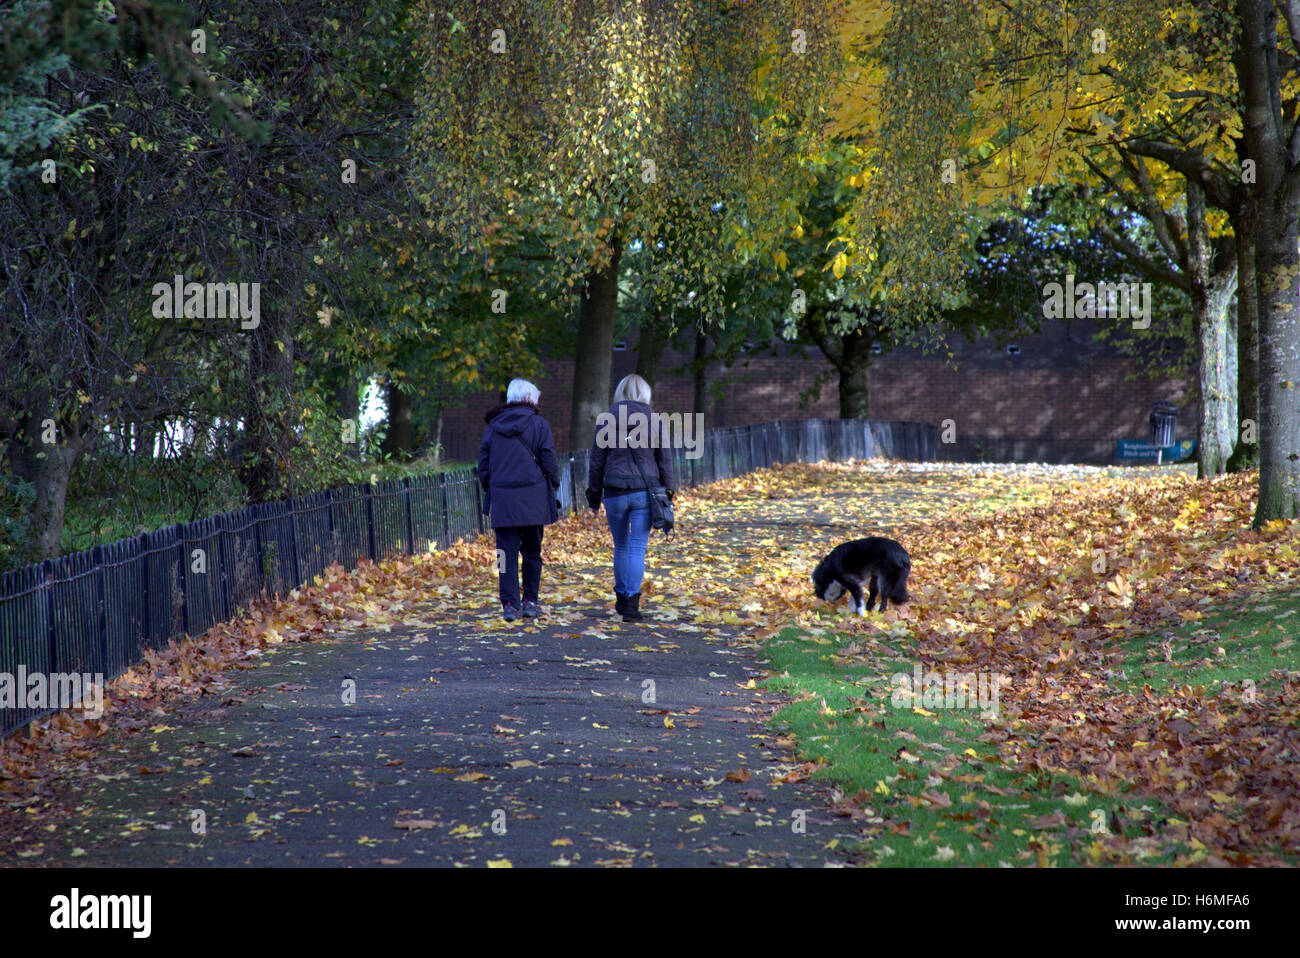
[(661, 505)]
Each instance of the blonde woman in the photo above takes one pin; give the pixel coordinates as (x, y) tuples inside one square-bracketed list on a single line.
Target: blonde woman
[(629, 455)]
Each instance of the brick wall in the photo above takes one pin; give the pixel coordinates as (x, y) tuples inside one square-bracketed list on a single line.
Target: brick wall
[(1060, 386), (1099, 401)]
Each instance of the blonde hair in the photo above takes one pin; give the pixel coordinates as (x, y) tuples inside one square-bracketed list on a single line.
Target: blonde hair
[(632, 388)]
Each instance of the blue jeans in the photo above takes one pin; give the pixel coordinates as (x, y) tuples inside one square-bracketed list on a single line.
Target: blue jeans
[(629, 524)]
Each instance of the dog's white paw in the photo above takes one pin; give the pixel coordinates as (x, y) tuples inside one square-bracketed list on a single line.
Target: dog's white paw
[(862, 611)]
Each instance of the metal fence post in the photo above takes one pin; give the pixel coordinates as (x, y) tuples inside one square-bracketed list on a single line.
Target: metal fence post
[(410, 528), (178, 531), (292, 506), (446, 510), (329, 523), (147, 620), (478, 501), (217, 568), (370, 522), (47, 567), (101, 599), (256, 513)]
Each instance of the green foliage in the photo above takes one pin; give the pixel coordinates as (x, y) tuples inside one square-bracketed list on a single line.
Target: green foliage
[(1053, 236), (966, 107), (114, 495), (41, 39), (16, 500), (811, 265), (610, 122)]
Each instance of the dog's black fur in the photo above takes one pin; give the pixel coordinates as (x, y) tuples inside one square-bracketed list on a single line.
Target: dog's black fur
[(881, 563)]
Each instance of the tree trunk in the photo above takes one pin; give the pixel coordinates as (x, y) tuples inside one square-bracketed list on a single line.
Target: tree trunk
[(146, 439), (345, 399), (1234, 413), (268, 409), (1218, 402), (398, 442), (48, 467), (51, 476), (853, 366), (595, 344), (1273, 203), (1276, 264), (701, 384), (1211, 291), (1246, 454), (650, 346)]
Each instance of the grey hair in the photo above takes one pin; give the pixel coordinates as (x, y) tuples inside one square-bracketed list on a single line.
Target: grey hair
[(632, 388), (521, 390)]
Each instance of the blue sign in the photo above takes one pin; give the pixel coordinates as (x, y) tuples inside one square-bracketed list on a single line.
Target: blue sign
[(1133, 449)]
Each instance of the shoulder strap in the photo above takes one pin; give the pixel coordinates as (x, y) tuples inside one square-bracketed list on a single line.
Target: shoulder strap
[(632, 451), (532, 455), (651, 495)]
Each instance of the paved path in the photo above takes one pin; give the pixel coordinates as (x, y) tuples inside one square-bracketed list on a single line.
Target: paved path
[(471, 741), (546, 735)]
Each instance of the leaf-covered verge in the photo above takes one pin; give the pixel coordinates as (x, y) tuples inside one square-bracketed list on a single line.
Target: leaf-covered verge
[(1150, 703), (1124, 610)]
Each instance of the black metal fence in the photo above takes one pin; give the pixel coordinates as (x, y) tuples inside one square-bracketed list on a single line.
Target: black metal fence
[(1052, 451), (97, 611)]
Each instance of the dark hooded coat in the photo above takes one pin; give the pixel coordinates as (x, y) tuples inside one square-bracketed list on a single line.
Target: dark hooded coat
[(518, 468)]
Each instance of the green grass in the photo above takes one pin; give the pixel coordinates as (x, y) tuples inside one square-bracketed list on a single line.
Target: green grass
[(844, 720), (1010, 499), (98, 513), (887, 756), (1254, 641)]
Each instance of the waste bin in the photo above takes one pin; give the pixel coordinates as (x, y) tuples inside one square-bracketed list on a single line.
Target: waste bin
[(1164, 416)]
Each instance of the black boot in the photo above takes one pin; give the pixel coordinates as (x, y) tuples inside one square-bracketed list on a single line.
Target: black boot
[(632, 610), (620, 602)]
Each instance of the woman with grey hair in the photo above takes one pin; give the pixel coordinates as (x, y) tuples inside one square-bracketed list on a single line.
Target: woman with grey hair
[(519, 473), (628, 457)]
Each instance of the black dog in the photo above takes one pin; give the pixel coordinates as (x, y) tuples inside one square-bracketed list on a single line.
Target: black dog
[(882, 564)]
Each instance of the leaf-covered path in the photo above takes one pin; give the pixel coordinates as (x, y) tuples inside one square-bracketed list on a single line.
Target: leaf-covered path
[(584, 741), (541, 734), (470, 741)]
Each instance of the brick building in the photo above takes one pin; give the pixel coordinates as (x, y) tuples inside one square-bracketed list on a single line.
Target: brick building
[(1057, 395)]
